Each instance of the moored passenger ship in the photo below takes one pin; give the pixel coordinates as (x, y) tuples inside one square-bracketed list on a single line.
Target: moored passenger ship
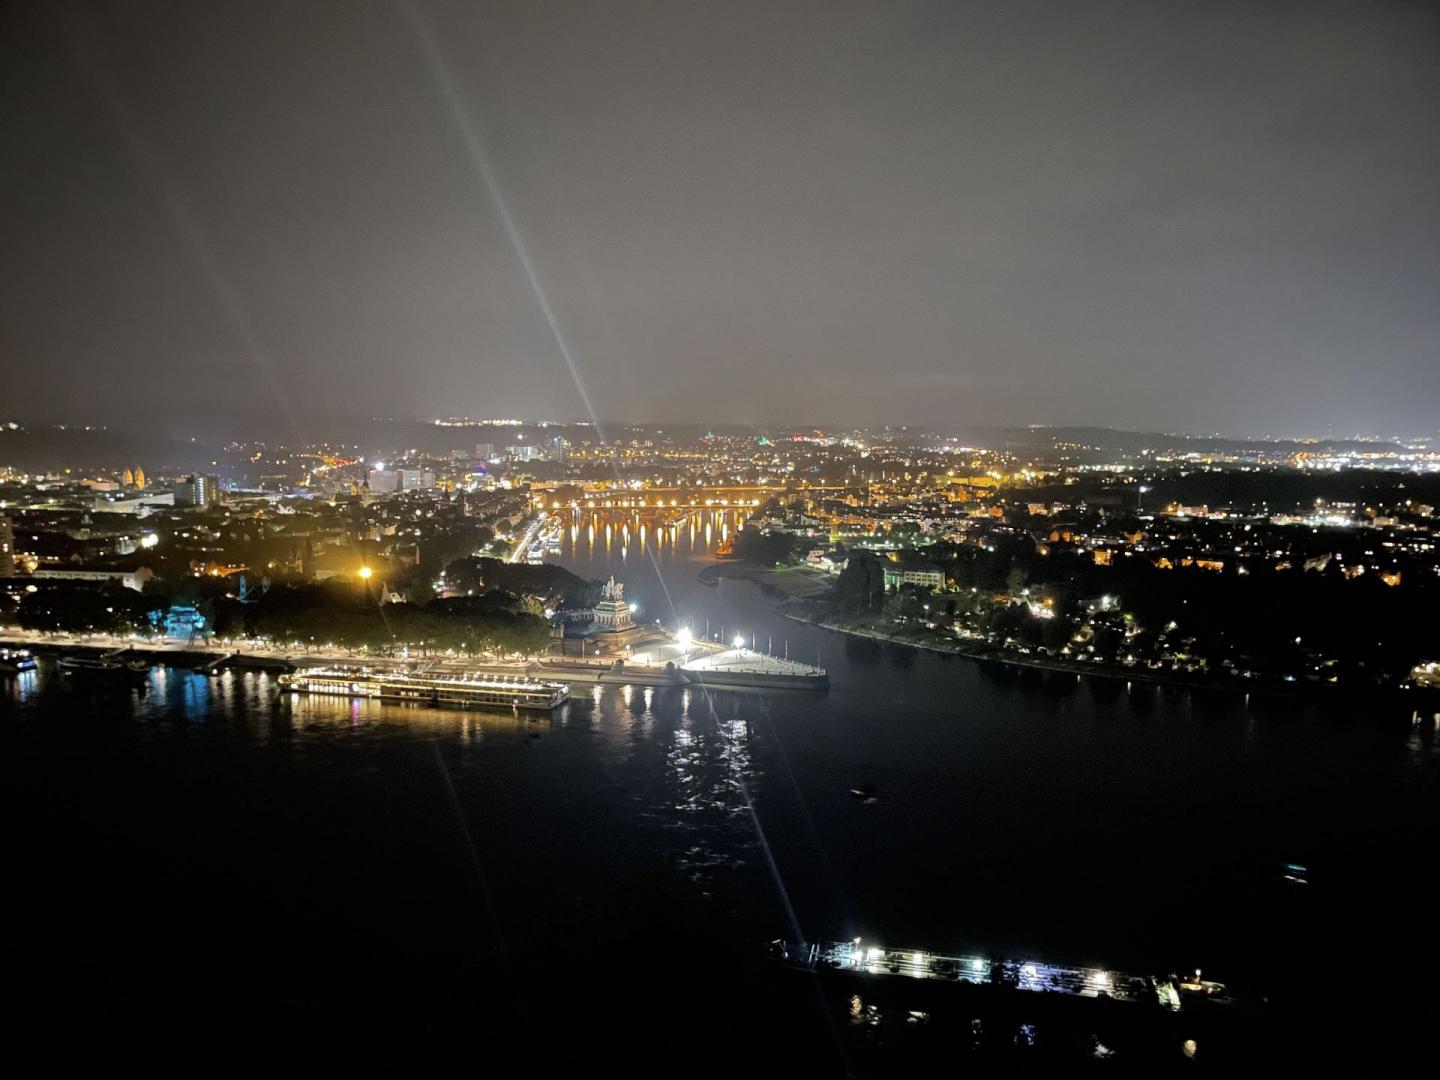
[(454, 690)]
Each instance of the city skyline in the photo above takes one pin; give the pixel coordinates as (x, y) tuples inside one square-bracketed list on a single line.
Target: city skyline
[(915, 214)]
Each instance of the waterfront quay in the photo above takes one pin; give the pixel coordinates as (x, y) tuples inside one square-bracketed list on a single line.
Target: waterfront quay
[(720, 668), (727, 669)]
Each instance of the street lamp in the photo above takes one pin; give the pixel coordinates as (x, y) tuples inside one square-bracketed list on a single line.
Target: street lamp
[(739, 641), (684, 639), (366, 573)]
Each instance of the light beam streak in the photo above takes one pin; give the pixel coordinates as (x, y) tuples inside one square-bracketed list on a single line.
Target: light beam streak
[(480, 162)]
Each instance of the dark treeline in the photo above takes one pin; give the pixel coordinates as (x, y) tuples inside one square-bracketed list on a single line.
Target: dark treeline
[(553, 585), (1278, 488), (349, 616), (74, 609), (1316, 624), (336, 613), (766, 548)]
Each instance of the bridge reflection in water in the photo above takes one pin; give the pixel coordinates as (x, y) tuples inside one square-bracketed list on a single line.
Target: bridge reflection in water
[(661, 532)]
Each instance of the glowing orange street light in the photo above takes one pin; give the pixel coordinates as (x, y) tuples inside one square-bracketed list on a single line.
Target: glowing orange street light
[(365, 573)]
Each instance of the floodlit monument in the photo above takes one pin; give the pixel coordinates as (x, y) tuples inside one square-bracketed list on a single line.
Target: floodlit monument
[(613, 626)]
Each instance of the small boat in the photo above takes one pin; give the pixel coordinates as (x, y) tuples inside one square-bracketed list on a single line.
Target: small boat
[(16, 660), (139, 667), (1197, 986), (99, 666)]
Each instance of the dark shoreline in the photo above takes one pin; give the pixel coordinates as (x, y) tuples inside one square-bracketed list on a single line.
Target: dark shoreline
[(816, 613)]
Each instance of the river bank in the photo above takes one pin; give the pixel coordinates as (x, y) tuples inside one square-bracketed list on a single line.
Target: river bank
[(792, 582), (799, 590), (820, 614)]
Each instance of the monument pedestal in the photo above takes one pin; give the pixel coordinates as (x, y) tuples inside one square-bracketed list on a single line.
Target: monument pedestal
[(614, 631)]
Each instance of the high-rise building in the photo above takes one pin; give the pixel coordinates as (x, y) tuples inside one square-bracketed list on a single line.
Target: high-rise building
[(485, 451), (415, 479), (384, 480), (7, 549), (198, 490), (522, 452)]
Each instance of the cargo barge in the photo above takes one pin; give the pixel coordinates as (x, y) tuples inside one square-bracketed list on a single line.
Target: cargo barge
[(1170, 992)]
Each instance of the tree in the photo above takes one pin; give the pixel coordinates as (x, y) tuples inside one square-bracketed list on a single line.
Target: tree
[(765, 548), (861, 585)]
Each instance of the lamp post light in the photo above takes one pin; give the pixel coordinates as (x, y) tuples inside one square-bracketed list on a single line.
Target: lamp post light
[(684, 639)]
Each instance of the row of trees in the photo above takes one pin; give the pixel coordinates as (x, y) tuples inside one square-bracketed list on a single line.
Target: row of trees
[(338, 614), (553, 585), (84, 610), (348, 617)]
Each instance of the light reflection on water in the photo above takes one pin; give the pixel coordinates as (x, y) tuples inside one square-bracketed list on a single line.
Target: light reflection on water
[(688, 766), (1022, 814), (683, 755), (593, 536)]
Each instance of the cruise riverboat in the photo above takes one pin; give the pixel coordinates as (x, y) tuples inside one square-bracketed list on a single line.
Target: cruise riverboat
[(457, 690)]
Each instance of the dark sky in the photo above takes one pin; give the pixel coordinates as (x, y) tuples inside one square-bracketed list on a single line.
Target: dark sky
[(1189, 216)]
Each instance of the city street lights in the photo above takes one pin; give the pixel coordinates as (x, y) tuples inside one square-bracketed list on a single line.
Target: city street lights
[(739, 641), (684, 639)]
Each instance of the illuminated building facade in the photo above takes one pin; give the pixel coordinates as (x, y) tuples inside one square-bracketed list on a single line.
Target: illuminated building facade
[(198, 490)]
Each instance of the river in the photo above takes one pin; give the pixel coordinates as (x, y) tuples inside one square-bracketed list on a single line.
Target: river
[(187, 835)]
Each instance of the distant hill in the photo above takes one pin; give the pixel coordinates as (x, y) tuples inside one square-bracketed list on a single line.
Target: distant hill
[(52, 448), (1117, 439)]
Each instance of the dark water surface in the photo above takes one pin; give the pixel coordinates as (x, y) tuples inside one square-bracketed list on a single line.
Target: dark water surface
[(307, 879)]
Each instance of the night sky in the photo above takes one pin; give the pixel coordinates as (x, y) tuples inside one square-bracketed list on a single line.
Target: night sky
[(1189, 217)]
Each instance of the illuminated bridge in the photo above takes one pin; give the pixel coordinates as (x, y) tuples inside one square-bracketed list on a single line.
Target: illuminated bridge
[(595, 497)]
